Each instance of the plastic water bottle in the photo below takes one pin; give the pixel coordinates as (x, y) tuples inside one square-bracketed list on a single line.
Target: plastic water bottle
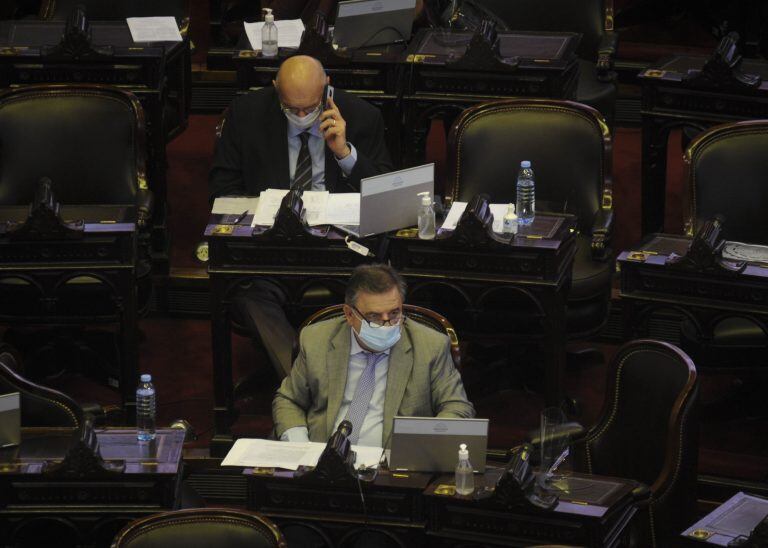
[(465, 479), (145, 409), (426, 217), (526, 194), (269, 35)]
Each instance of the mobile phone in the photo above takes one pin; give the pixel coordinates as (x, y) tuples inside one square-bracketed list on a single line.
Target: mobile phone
[(327, 94)]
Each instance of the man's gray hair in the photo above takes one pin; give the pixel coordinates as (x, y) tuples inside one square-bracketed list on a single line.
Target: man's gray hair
[(373, 278)]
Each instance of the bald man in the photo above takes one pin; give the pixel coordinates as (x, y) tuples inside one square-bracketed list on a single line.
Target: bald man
[(267, 134)]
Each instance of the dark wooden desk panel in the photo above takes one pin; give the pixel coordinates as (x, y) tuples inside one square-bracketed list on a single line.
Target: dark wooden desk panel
[(649, 284), (37, 279), (87, 510), (669, 101)]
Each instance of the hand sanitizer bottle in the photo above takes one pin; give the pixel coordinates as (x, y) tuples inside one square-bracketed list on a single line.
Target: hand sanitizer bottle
[(510, 221), (465, 480), (426, 217), (269, 35)]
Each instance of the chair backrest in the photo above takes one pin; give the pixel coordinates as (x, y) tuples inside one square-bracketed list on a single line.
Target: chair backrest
[(728, 174), (88, 139), (201, 528), (40, 406), (648, 429), (424, 316), (568, 144), (589, 17)]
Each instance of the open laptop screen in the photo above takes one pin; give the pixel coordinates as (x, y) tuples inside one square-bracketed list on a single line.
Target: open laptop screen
[(361, 23)]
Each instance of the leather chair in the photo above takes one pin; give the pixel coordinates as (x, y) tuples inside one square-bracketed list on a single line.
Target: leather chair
[(648, 431), (424, 316), (734, 154), (593, 19), (40, 406), (201, 528), (569, 145)]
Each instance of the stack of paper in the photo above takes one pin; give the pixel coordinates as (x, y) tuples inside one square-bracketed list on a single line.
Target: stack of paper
[(457, 209), (322, 207), (291, 455), (289, 33), (154, 29), (234, 205)]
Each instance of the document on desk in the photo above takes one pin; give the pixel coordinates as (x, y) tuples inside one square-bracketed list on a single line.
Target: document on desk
[(290, 455), (269, 204), (154, 29), (315, 204), (234, 205), (735, 517), (343, 209), (289, 33), (458, 208)]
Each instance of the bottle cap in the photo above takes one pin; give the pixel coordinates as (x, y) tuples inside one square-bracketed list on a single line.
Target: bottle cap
[(268, 16), (425, 198), (146, 378), (463, 453), (525, 163)]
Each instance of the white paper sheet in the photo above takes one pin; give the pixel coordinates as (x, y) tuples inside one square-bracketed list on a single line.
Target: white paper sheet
[(269, 204), (290, 455), (343, 209), (235, 205), (315, 203), (289, 33), (457, 209), (154, 29)]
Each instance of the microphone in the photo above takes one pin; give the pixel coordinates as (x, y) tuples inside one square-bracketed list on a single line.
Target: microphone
[(345, 428)]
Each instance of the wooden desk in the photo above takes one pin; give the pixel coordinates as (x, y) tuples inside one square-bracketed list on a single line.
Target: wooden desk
[(671, 99), (84, 506), (89, 280), (648, 283), (405, 510)]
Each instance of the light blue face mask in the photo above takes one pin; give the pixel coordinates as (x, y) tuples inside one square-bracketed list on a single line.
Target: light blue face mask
[(379, 338)]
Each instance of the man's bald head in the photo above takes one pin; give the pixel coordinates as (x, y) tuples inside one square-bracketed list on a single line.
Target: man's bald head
[(300, 82)]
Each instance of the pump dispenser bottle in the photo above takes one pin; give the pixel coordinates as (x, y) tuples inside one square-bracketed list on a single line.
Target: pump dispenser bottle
[(426, 217), (465, 481)]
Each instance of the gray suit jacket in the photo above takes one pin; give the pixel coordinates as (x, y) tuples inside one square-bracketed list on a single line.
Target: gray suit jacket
[(421, 381)]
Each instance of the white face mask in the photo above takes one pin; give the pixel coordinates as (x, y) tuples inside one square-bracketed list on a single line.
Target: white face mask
[(303, 122)]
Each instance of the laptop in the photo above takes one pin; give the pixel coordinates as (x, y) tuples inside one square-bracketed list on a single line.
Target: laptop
[(427, 444), (391, 201), (10, 419), (361, 23)]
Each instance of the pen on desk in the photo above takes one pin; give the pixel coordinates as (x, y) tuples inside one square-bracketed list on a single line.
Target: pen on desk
[(239, 219)]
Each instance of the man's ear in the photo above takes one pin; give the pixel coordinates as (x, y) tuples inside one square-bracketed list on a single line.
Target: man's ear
[(348, 314), (274, 83)]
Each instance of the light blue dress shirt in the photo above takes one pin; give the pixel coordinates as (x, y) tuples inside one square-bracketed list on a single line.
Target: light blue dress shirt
[(373, 424), (317, 153)]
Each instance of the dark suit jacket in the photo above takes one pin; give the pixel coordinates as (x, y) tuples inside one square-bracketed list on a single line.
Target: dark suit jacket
[(252, 153)]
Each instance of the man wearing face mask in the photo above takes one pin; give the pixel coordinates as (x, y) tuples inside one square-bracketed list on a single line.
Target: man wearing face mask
[(367, 367), (286, 137)]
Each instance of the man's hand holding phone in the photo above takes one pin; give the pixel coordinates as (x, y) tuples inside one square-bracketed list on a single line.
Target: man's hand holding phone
[(333, 127)]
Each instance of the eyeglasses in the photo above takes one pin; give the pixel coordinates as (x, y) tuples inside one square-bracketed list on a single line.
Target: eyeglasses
[(375, 320), (295, 111)]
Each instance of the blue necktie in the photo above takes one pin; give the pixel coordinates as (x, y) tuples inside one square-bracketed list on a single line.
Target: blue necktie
[(358, 408)]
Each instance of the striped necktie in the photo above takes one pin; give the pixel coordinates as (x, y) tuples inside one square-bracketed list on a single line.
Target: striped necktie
[(302, 177), (358, 408)]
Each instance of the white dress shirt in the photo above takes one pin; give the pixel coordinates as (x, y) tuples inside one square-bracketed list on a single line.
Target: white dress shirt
[(316, 146), (373, 424)]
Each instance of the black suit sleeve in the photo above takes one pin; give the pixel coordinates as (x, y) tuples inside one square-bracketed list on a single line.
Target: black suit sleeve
[(226, 176), (368, 139)]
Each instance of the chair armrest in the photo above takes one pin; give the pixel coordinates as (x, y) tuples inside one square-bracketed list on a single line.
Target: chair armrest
[(145, 203), (605, 55), (602, 230)]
